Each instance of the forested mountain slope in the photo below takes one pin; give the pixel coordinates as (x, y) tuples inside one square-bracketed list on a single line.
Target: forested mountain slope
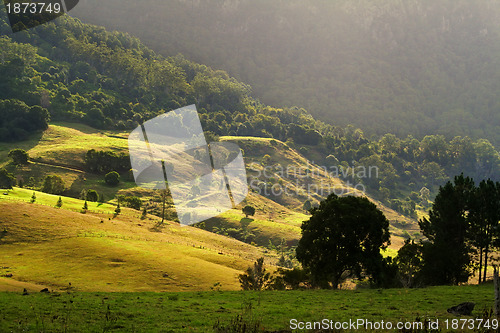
[(69, 71), (405, 67)]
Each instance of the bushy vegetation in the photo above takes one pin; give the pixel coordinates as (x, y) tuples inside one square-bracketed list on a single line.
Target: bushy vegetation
[(106, 161), (112, 178), (19, 156), (53, 184)]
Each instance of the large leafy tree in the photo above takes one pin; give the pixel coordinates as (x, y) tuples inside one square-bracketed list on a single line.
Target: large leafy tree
[(447, 254), (19, 156), (409, 262), (343, 238), (7, 180), (53, 184)]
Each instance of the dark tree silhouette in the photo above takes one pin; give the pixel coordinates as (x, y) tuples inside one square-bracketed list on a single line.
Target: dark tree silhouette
[(248, 211), (342, 239), (447, 254)]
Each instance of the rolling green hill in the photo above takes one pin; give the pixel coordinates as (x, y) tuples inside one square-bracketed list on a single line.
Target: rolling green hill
[(277, 216), (63, 249)]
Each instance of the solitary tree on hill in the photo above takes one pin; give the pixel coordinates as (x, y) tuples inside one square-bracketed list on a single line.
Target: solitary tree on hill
[(59, 203), (112, 178), (248, 210), (307, 205), (92, 195)]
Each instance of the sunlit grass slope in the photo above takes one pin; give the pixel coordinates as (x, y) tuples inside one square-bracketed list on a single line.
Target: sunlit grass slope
[(60, 150), (53, 247)]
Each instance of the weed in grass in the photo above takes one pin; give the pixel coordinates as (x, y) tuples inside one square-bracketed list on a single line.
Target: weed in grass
[(109, 320), (238, 324)]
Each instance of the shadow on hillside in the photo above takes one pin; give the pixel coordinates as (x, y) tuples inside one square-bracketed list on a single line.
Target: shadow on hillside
[(32, 141), (3, 233), (245, 222), (158, 227)]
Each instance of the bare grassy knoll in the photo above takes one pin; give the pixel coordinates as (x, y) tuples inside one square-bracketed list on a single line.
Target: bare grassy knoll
[(66, 250)]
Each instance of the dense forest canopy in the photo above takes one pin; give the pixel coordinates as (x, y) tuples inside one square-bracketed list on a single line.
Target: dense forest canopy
[(70, 71), (405, 67)]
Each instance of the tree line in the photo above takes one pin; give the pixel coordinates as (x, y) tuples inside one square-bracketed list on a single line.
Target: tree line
[(344, 237)]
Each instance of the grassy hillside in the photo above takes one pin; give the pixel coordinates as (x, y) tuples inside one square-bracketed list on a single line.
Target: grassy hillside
[(60, 150), (199, 311), (67, 250)]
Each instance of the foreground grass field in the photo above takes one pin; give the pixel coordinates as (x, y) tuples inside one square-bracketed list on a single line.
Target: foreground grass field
[(199, 311)]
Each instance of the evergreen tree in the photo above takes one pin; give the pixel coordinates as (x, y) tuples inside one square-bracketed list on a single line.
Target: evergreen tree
[(59, 203), (446, 255), (256, 277), (484, 216)]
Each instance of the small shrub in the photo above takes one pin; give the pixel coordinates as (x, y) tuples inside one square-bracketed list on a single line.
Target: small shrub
[(112, 178), (92, 196), (239, 324)]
